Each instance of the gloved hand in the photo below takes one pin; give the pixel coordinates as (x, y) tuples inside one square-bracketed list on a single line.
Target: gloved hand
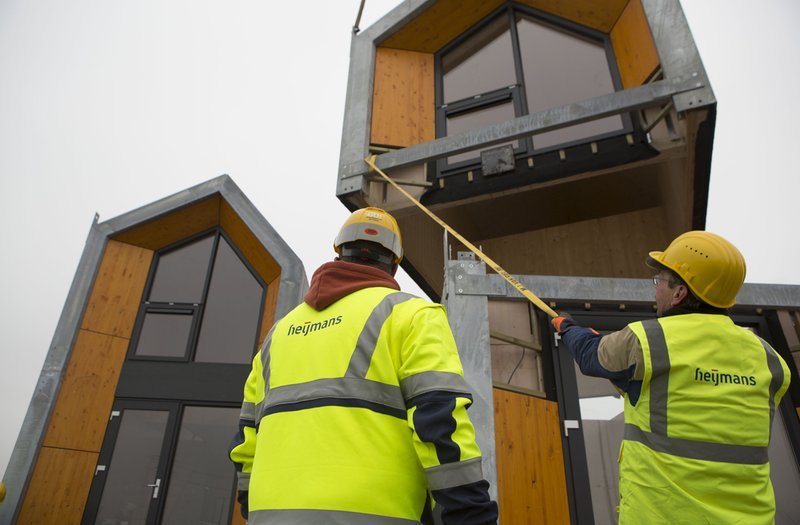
[(559, 322)]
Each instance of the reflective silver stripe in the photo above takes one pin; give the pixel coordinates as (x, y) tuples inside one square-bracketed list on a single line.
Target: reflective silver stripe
[(432, 381), (248, 411), (265, 371), (365, 347), (385, 236), (703, 450), (321, 517), (776, 382), (454, 474), (659, 380), (242, 481), (265, 357), (337, 388)]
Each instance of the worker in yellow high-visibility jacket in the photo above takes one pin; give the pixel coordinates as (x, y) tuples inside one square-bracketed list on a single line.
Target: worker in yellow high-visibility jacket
[(700, 393), (355, 409)]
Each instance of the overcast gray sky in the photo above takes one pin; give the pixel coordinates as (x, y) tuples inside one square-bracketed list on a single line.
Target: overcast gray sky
[(109, 105)]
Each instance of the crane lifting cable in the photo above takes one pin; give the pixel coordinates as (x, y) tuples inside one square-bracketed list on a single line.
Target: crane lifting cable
[(485, 258)]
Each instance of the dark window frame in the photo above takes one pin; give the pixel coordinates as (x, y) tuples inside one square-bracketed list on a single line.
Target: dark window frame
[(442, 168), (197, 309)]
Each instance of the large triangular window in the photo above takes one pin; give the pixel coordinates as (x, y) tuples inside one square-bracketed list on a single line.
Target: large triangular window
[(518, 62)]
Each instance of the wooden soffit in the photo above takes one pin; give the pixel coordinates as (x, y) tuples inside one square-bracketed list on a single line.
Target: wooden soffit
[(445, 20), (198, 217)]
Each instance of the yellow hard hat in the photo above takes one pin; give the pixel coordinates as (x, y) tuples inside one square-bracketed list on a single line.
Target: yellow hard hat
[(374, 225), (712, 267)]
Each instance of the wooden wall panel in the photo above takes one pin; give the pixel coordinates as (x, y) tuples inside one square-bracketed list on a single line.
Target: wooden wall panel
[(447, 19), (57, 491), (86, 396), (403, 104), (439, 24), (597, 14), (270, 303), (613, 246), (531, 482), (248, 244), (117, 290), (174, 226), (633, 44)]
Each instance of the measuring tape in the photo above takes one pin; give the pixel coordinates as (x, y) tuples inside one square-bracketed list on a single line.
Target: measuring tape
[(485, 258)]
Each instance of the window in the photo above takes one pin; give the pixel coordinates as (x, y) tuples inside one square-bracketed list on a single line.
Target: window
[(203, 304), (516, 63)]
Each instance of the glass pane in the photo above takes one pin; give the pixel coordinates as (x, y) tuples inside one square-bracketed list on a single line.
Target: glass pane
[(134, 462), (482, 63), (578, 71), (181, 273), (201, 483), (164, 334), (228, 332), (477, 119)]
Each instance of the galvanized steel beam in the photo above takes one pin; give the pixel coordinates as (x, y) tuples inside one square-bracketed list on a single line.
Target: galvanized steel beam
[(469, 319), (677, 51), (615, 290), (555, 118)]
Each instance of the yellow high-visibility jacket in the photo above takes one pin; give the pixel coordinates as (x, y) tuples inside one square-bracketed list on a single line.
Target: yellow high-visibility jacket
[(355, 414), (695, 443)]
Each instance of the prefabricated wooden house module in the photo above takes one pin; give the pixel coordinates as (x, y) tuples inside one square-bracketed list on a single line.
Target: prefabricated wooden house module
[(566, 139), (141, 390)]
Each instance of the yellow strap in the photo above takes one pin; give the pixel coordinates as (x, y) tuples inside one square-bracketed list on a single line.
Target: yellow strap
[(485, 258)]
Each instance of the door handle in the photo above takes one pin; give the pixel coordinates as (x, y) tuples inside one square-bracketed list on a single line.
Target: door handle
[(156, 486)]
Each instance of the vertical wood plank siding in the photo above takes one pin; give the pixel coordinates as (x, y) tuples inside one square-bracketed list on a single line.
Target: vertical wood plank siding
[(531, 483), (636, 54), (65, 466), (403, 101)]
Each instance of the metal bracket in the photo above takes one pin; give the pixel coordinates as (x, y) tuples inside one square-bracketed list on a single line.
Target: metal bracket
[(570, 423), (469, 284)]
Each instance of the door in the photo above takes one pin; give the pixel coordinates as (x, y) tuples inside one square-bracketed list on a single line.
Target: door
[(164, 462), (127, 486)]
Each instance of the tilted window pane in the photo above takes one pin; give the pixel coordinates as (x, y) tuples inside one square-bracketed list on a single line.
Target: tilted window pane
[(126, 495), (482, 63), (230, 321), (201, 482), (181, 273), (164, 334), (577, 72), (477, 119)]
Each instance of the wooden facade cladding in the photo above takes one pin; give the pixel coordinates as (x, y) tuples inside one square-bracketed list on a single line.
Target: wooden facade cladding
[(447, 19), (531, 482), (81, 412), (64, 469), (58, 488), (634, 48), (403, 103), (174, 226), (117, 290)]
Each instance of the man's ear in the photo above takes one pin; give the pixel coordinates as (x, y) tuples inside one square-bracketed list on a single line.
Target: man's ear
[(679, 294)]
